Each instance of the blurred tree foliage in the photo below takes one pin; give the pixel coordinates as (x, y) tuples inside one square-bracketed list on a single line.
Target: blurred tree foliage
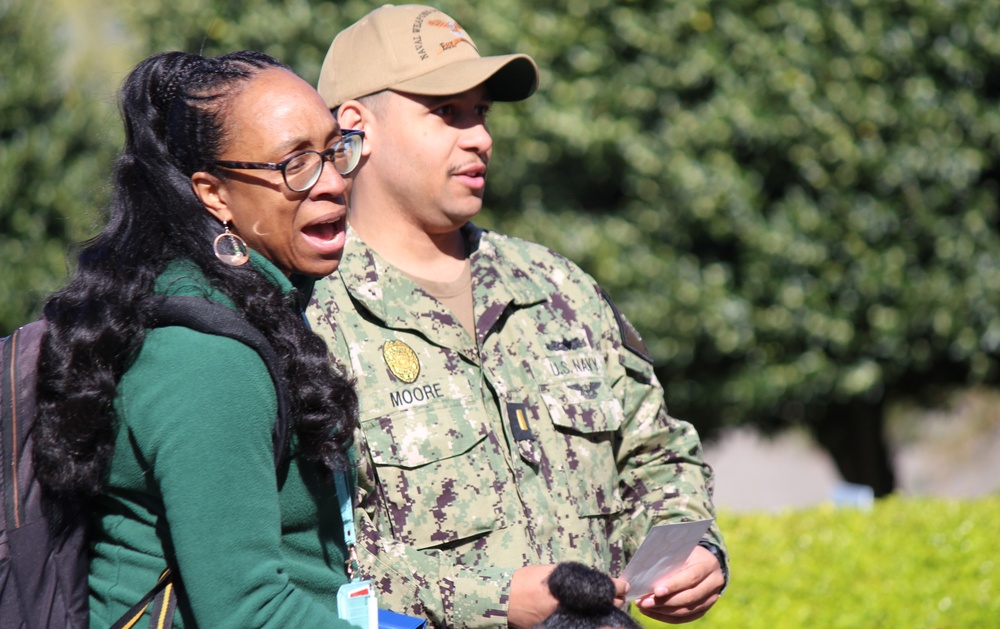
[(53, 162), (794, 201), (298, 32)]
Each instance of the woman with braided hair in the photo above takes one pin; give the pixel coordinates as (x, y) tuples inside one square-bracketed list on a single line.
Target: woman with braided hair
[(221, 192), (586, 600)]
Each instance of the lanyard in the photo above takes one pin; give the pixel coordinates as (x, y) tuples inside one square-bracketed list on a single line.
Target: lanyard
[(347, 518), (356, 599), (352, 563)]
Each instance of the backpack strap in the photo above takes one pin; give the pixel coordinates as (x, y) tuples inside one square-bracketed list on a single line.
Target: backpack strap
[(17, 395), (209, 317), (164, 589)]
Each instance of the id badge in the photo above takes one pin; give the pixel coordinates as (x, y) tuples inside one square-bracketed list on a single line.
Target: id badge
[(357, 604)]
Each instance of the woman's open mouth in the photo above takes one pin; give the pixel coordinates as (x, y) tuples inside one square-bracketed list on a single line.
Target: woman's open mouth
[(327, 236)]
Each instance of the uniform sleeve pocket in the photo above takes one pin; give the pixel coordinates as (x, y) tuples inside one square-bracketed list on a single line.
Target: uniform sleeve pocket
[(582, 406), (587, 416)]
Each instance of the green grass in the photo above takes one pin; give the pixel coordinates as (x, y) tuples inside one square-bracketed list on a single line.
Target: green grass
[(908, 563)]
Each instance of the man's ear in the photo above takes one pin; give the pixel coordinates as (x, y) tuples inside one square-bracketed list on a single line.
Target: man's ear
[(350, 114), (354, 115), (210, 191)]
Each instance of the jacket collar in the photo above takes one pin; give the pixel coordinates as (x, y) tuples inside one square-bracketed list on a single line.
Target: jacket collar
[(183, 277), (392, 297)]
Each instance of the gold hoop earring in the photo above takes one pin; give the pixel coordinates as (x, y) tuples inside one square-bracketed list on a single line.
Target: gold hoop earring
[(230, 248)]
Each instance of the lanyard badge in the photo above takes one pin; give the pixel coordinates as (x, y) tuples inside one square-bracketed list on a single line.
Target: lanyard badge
[(356, 601)]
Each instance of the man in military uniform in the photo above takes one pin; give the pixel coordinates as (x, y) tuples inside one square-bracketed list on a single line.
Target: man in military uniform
[(510, 414)]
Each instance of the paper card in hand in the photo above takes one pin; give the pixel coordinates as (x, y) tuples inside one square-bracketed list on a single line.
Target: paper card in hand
[(664, 550)]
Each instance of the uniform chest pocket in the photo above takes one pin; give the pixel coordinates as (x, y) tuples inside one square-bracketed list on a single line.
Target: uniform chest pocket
[(586, 417), (441, 475)]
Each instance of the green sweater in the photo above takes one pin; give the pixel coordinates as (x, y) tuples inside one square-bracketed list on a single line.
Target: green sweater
[(192, 477)]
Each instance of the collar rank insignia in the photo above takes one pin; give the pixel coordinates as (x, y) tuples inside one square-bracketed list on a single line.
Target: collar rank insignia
[(401, 360)]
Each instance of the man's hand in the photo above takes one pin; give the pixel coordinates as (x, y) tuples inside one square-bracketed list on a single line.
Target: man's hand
[(687, 594), (530, 599)]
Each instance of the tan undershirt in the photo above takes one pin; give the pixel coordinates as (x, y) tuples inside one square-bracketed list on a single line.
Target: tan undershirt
[(456, 295)]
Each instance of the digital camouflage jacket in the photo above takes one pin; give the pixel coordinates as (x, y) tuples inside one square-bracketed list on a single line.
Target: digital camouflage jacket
[(543, 439)]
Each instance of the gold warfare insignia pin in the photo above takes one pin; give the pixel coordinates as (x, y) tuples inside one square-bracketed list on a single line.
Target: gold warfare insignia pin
[(402, 360)]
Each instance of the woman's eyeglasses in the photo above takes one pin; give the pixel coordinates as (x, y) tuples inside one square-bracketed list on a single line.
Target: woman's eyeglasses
[(302, 171)]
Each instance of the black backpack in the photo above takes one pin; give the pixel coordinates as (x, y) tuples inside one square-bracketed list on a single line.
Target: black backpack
[(43, 575)]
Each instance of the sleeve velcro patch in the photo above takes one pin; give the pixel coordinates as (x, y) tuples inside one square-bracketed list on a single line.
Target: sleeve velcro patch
[(629, 335)]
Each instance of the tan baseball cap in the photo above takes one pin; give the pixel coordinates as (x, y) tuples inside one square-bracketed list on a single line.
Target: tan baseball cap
[(417, 49)]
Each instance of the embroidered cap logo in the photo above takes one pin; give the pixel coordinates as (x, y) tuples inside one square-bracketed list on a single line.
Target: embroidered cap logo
[(439, 36)]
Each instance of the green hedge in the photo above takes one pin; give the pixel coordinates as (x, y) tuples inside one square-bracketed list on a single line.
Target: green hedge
[(905, 563)]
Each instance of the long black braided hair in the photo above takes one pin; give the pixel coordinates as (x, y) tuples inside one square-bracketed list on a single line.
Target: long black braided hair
[(173, 105)]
